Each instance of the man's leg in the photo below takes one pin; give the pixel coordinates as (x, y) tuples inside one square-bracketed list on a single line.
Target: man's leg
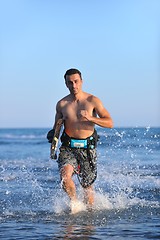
[(67, 182), (70, 189), (89, 196)]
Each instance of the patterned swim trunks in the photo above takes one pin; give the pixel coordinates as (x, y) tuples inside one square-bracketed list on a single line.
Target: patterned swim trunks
[(84, 162)]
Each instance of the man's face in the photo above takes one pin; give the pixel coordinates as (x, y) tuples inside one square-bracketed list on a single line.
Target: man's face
[(74, 83)]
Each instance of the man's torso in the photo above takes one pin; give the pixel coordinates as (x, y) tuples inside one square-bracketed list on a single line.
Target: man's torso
[(75, 125)]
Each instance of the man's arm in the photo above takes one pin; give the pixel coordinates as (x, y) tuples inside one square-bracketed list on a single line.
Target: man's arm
[(103, 120), (58, 114), (58, 117)]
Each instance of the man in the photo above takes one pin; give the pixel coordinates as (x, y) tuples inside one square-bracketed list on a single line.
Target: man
[(80, 111)]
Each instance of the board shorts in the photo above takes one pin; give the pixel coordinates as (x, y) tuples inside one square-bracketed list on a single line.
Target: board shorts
[(84, 162)]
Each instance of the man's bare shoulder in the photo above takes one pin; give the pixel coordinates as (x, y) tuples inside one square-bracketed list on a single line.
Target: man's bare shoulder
[(63, 100), (91, 98)]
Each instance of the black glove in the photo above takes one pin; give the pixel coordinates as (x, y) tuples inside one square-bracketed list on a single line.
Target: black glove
[(50, 135)]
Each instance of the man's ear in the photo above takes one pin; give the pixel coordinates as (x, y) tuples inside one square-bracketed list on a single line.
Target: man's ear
[(66, 83)]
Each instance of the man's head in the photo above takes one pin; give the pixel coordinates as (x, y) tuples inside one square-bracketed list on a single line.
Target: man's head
[(73, 80), (72, 71)]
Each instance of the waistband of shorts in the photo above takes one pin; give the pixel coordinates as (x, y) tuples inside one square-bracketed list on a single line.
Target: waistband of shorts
[(89, 142)]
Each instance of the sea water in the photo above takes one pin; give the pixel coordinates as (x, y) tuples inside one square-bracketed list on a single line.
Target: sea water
[(127, 190)]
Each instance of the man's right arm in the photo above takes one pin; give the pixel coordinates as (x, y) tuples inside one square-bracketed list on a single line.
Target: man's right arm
[(58, 114)]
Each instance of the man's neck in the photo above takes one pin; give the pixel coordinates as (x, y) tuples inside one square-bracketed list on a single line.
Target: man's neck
[(78, 96)]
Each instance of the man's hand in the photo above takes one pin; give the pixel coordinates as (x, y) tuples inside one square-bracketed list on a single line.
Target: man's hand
[(84, 114)]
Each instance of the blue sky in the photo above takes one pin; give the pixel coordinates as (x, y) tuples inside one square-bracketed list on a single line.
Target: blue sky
[(115, 44)]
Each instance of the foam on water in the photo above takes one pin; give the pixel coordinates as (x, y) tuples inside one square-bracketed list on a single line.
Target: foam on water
[(104, 201)]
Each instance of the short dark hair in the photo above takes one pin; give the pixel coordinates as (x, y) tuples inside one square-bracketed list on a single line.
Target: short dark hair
[(72, 71)]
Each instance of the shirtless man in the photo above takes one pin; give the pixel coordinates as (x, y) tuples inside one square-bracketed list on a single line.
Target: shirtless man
[(80, 112)]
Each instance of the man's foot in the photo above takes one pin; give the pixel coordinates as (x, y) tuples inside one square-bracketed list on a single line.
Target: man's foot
[(90, 207), (76, 206)]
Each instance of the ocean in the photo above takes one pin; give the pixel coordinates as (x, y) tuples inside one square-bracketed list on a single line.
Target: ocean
[(127, 190)]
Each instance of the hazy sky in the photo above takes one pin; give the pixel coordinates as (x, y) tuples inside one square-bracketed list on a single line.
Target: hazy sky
[(114, 43)]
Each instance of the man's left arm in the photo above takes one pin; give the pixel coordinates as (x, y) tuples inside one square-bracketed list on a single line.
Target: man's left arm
[(103, 120)]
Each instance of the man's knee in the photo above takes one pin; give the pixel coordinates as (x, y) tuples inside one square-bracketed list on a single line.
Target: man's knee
[(67, 171), (66, 174)]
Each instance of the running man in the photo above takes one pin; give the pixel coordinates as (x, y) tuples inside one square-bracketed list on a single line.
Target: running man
[(80, 112)]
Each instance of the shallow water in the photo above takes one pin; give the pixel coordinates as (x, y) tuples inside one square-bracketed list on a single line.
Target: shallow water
[(127, 199)]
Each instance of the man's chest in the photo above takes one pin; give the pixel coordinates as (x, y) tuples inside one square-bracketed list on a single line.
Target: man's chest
[(74, 108)]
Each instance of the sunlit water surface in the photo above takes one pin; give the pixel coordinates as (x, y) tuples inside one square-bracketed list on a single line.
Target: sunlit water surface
[(127, 189)]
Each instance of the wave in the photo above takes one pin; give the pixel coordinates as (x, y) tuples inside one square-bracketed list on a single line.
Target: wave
[(23, 136)]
